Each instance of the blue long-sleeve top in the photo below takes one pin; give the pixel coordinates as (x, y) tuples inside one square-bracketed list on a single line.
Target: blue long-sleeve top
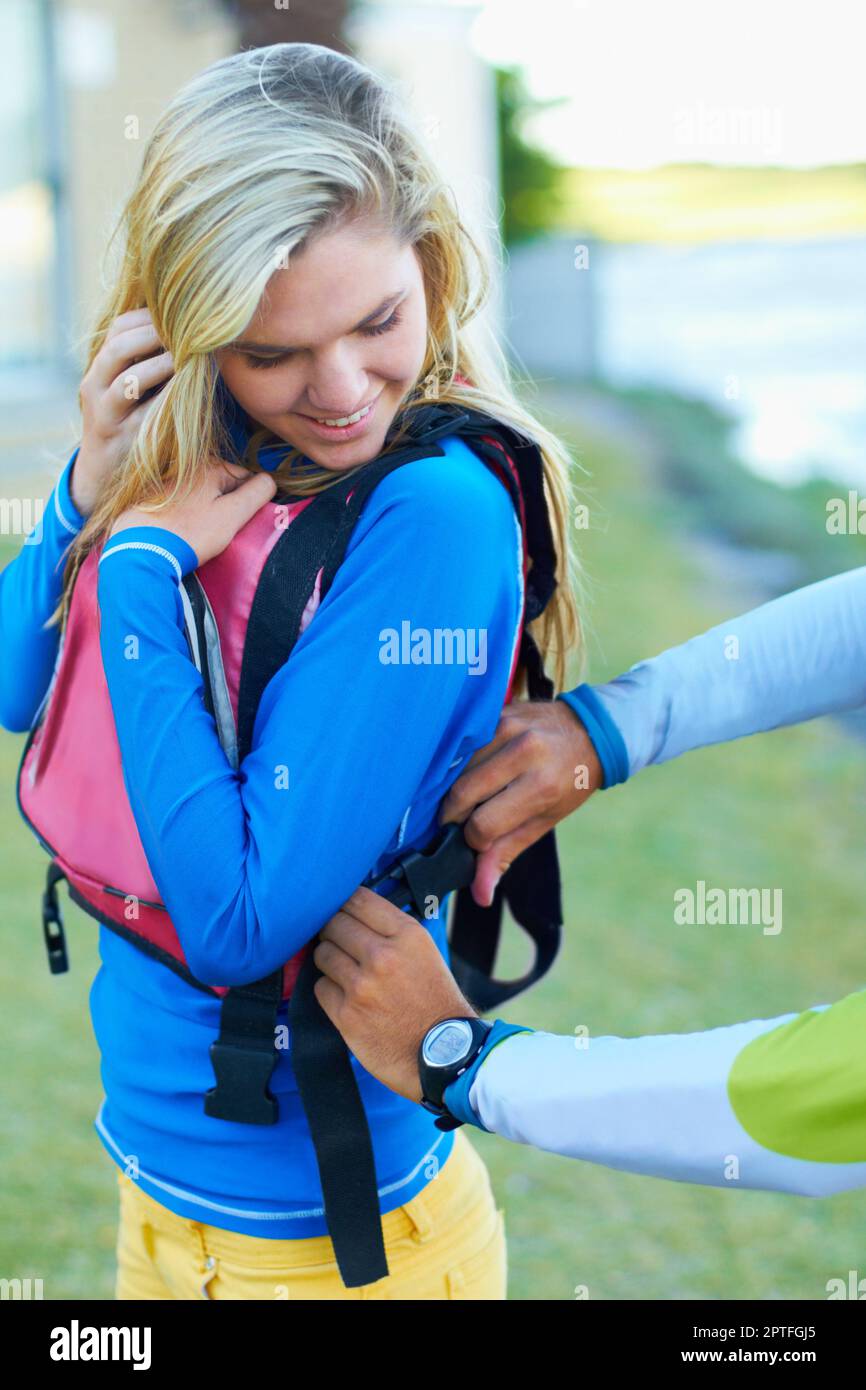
[(351, 756), (30, 589)]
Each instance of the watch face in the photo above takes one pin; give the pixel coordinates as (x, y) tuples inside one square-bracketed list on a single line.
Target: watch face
[(447, 1043)]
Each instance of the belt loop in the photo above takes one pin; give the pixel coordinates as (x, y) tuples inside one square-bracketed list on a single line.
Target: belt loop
[(421, 1217), (207, 1263)]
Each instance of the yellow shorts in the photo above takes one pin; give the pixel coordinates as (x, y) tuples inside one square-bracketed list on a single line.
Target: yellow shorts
[(448, 1242)]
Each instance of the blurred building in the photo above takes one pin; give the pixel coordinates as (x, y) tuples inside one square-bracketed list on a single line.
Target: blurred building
[(551, 299), (90, 80)]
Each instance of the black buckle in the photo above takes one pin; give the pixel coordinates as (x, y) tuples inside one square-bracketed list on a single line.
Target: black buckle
[(52, 931), (444, 865), (241, 1093)]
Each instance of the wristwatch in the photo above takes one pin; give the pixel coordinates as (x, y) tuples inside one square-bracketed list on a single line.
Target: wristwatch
[(446, 1050)]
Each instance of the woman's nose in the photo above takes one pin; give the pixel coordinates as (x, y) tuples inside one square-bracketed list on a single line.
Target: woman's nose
[(337, 387)]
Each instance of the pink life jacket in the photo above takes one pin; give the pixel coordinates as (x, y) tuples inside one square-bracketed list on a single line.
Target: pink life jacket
[(71, 785), (244, 611)]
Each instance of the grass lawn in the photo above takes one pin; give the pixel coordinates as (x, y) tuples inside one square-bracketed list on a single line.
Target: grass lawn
[(693, 203), (782, 810)]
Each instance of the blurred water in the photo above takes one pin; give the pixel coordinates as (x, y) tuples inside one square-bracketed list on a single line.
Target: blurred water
[(773, 332)]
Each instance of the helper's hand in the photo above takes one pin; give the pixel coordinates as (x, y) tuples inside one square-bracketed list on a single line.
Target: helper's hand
[(540, 766), (225, 499), (129, 364), (384, 984)]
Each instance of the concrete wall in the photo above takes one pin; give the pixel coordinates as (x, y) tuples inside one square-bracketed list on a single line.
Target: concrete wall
[(551, 317)]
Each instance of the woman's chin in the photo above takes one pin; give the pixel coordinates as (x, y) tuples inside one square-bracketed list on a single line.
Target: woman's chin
[(339, 457)]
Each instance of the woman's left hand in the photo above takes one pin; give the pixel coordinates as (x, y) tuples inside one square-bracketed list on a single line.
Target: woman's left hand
[(227, 497)]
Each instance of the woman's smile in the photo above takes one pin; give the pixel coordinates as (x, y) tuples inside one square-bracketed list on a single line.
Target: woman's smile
[(340, 428), (336, 345)]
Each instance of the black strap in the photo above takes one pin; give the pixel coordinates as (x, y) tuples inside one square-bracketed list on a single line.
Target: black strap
[(530, 889), (541, 581), (52, 921), (340, 1132)]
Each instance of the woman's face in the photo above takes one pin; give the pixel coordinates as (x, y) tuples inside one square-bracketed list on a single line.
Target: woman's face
[(344, 330)]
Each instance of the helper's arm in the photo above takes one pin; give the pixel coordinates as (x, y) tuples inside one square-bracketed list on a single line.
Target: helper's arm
[(251, 864), (30, 588), (775, 1103), (790, 660)]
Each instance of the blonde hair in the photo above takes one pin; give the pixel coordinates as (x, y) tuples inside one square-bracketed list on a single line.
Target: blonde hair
[(253, 157)]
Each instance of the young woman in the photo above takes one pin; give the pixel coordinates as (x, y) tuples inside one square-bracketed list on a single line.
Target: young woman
[(295, 275)]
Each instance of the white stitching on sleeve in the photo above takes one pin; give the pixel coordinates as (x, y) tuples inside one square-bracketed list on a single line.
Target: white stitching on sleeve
[(60, 517), (145, 545)]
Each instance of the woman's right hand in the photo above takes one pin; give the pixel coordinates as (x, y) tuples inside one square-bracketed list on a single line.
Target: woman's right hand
[(129, 363)]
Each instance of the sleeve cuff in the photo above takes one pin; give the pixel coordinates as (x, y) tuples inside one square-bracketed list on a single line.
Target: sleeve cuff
[(456, 1096), (65, 510), (606, 738), (166, 546)]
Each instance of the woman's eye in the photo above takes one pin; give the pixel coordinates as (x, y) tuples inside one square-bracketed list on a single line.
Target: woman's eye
[(383, 327), (265, 361), (372, 331)]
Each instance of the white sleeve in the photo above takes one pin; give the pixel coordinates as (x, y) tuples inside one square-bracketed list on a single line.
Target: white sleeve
[(676, 1106)]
